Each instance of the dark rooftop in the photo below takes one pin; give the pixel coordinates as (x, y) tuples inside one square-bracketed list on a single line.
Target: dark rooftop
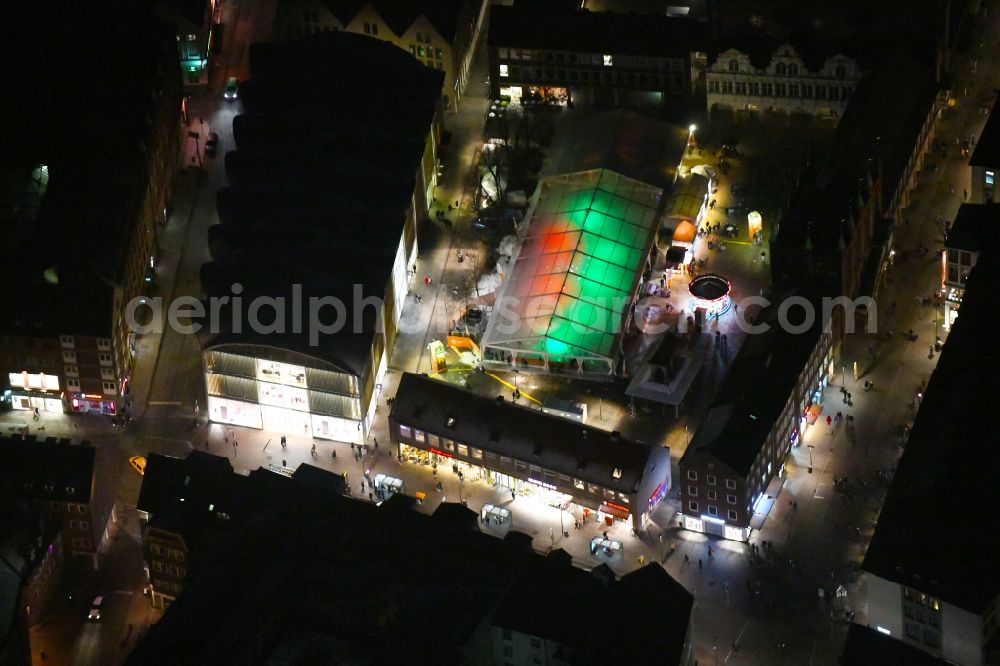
[(974, 227), (987, 150), (756, 389), (520, 432), (859, 29), (338, 580), (326, 210), (190, 496), (943, 467), (867, 647), (50, 470), (622, 141), (552, 600), (550, 26), (399, 15), (868, 144), (71, 182)]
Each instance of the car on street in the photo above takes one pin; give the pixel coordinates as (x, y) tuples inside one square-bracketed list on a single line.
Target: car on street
[(95, 609), (232, 88), (211, 143), (138, 463)]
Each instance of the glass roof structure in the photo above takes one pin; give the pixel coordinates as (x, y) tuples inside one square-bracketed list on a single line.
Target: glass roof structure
[(577, 269)]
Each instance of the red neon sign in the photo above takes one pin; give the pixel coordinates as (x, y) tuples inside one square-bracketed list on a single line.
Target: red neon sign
[(657, 491), (441, 453), (621, 508)]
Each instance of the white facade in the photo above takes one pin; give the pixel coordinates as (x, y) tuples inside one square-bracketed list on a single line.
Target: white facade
[(924, 622), (732, 82)]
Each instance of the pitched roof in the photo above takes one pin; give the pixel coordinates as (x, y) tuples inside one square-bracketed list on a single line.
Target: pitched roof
[(867, 647), (945, 469), (346, 581), (399, 15), (973, 228), (987, 150), (755, 390), (553, 601), (50, 470), (526, 434)]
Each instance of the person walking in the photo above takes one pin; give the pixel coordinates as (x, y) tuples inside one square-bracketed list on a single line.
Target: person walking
[(699, 563)]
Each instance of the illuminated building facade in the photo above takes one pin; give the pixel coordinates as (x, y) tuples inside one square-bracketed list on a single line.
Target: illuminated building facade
[(308, 223), (784, 83), (961, 252), (603, 57), (733, 469), (559, 461), (916, 593), (575, 276)]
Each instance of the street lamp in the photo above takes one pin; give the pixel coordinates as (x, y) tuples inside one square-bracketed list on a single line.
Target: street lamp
[(810, 447)]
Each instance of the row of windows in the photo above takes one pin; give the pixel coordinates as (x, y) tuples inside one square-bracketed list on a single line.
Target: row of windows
[(175, 571), (69, 356), (371, 29), (960, 257), (298, 30), (29, 343), (586, 76), (69, 342), (81, 543), (426, 52), (172, 553), (635, 62), (521, 468), (51, 488), (13, 360), (79, 525), (711, 494), (167, 587), (109, 388), (712, 510), (781, 89), (787, 69), (710, 479)]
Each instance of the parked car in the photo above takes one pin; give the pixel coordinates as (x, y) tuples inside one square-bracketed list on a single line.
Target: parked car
[(95, 609), (232, 88), (211, 143)]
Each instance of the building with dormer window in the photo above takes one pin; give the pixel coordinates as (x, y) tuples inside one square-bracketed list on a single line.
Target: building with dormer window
[(441, 34), (782, 81)]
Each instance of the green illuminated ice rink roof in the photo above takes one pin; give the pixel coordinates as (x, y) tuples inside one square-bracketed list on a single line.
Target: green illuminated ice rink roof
[(578, 266)]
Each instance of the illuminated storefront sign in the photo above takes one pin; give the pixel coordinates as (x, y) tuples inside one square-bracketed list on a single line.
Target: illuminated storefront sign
[(40, 381), (542, 484), (658, 494)]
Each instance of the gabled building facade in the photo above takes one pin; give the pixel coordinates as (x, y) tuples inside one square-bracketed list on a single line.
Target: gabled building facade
[(786, 83), (440, 34)]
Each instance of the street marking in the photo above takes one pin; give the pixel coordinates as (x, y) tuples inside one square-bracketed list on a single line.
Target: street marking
[(816, 494), (512, 387)]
